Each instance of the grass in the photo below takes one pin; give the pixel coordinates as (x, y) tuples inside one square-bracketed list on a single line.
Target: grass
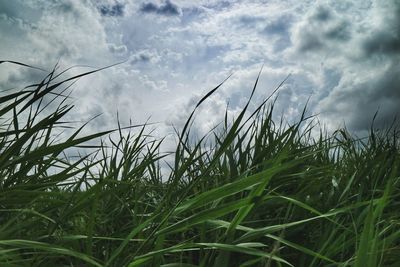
[(251, 193)]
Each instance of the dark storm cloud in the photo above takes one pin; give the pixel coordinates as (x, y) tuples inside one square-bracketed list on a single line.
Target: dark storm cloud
[(322, 29), (166, 9), (386, 39), (357, 103), (382, 43), (116, 10), (376, 86)]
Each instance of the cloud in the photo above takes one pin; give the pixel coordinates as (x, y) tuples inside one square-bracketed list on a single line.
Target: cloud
[(166, 9), (74, 32), (369, 71), (322, 14), (116, 10), (343, 53), (357, 98), (118, 49), (384, 39), (250, 21), (140, 57), (279, 25), (321, 29), (278, 30)]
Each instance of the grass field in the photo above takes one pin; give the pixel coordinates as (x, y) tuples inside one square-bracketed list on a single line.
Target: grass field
[(254, 192)]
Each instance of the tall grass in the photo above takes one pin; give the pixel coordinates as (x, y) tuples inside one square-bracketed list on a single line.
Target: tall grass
[(252, 193)]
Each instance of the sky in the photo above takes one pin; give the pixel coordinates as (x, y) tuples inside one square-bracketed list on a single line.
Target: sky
[(344, 56)]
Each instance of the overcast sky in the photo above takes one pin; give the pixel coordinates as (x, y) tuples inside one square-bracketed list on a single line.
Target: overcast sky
[(345, 55)]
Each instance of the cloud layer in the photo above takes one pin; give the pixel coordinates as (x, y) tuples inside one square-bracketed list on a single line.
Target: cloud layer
[(345, 55)]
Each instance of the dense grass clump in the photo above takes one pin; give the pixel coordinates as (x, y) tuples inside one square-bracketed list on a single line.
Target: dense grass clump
[(251, 193)]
